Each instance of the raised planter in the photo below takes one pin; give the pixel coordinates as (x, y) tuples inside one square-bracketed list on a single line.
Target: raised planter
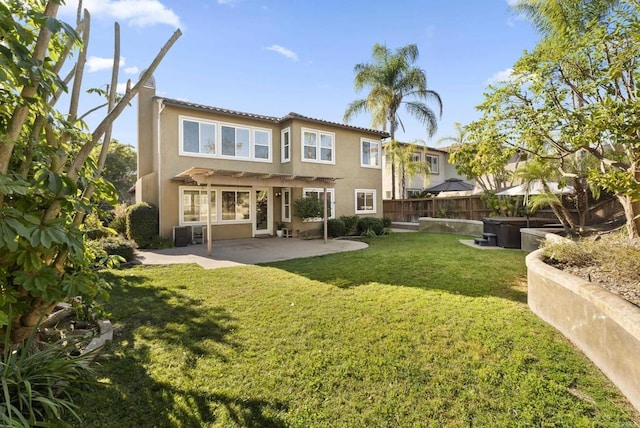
[(450, 225), (603, 325)]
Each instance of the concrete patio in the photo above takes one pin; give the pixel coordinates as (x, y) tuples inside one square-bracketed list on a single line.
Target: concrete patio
[(238, 252)]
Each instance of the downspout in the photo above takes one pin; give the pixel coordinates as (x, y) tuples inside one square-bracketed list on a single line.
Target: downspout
[(158, 140), (209, 231), (325, 215)]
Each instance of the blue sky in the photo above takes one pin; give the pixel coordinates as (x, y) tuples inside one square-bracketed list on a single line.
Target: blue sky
[(273, 57)]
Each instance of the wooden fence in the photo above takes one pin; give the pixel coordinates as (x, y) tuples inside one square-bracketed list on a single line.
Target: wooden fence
[(475, 208)]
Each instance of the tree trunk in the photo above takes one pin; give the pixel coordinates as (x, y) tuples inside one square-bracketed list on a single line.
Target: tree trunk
[(23, 326), (632, 215)]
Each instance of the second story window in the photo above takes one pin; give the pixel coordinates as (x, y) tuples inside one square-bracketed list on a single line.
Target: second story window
[(198, 137), (317, 146), (286, 145), (204, 138), (433, 163), (234, 142), (370, 154)]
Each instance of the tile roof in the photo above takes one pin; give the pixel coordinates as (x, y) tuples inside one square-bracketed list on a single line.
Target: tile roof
[(272, 119)]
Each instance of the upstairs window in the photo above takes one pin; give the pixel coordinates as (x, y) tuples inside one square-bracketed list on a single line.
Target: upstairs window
[(370, 154), (235, 142), (199, 137), (261, 145), (433, 163), (317, 146), (215, 139), (285, 137)]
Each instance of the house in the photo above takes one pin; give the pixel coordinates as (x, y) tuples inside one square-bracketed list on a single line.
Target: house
[(241, 172), (441, 171)]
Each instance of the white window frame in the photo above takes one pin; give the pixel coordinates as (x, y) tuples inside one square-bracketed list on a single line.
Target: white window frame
[(428, 157), (217, 196), (331, 192), (373, 193), (203, 191), (235, 221), (379, 155), (255, 144), (283, 158), (416, 157), (218, 140), (286, 201), (318, 146), (200, 122)]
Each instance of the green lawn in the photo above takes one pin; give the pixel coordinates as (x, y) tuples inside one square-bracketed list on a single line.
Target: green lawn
[(417, 330)]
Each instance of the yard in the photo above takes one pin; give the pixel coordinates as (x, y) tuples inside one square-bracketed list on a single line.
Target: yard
[(416, 330)]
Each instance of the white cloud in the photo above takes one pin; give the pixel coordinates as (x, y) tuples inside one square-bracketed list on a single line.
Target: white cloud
[(501, 76), (283, 51), (227, 2), (95, 63), (121, 88), (513, 2), (132, 70), (136, 13)]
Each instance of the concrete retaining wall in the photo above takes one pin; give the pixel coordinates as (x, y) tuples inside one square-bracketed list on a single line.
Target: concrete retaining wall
[(531, 238), (604, 326), (450, 225)]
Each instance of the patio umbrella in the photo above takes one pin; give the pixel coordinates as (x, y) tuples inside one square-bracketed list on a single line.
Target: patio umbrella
[(536, 187), (450, 185)]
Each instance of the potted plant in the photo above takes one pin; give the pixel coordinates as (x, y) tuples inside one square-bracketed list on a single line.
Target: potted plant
[(279, 230)]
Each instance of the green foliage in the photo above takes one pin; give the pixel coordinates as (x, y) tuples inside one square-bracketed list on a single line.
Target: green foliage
[(615, 254), (142, 224), (336, 228), (350, 223), (447, 209), (39, 384), (415, 330), (159, 243), (394, 82), (94, 228), (386, 222), (576, 92), (118, 246), (367, 225), (119, 221), (120, 168), (308, 208)]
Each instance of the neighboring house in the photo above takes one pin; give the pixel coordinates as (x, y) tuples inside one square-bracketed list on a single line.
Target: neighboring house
[(250, 167), (441, 170)]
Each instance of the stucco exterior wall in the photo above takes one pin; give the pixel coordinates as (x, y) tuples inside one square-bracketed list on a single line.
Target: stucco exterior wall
[(604, 326), (160, 150)]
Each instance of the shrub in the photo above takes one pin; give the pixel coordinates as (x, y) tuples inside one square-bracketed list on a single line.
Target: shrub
[(118, 246), (335, 227), (370, 223), (119, 222), (142, 224), (350, 223), (307, 208), (159, 243), (38, 383), (386, 222), (93, 227), (615, 254)]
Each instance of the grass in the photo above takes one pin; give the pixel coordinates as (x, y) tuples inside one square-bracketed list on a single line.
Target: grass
[(416, 330)]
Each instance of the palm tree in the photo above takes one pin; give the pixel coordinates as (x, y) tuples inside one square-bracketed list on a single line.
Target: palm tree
[(394, 81), (557, 17), (409, 168)]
